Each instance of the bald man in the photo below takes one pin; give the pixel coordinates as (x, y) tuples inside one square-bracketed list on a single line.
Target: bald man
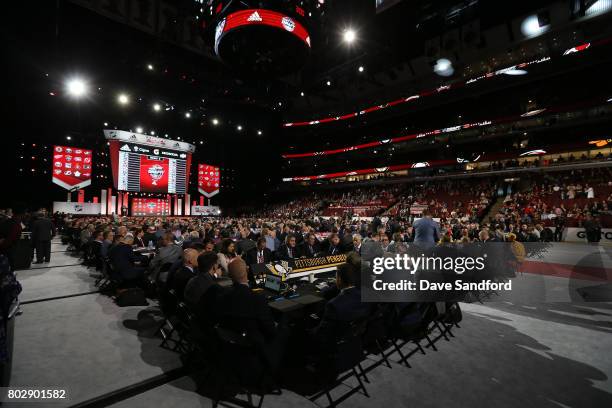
[(241, 310), (189, 269)]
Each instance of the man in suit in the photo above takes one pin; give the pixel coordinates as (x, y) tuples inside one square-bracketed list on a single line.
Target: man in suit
[(168, 253), (259, 254), (244, 244), (149, 236), (342, 310), (333, 245), (179, 279), (242, 311), (426, 230), (42, 232), (310, 247), (126, 262), (289, 249), (207, 276)]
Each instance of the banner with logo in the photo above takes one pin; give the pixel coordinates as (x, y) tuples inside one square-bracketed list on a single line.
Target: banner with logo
[(572, 234), (205, 210), (71, 167), (209, 178)]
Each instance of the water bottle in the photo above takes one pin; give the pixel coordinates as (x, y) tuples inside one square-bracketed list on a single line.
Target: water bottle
[(150, 244)]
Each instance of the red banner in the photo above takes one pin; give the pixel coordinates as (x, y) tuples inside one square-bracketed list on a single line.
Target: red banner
[(208, 180), (81, 196), (71, 167)]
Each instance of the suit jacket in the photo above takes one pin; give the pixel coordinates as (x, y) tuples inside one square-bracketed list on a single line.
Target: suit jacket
[(123, 257), (179, 280), (338, 315), (43, 229), (241, 310), (250, 258), (139, 242), (167, 254), (308, 251), (196, 287), (283, 253)]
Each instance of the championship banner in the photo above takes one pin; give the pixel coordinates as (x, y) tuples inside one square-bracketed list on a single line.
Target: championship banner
[(208, 180), (71, 167)]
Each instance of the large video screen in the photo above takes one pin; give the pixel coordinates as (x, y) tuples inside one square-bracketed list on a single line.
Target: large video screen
[(150, 206), (143, 163)]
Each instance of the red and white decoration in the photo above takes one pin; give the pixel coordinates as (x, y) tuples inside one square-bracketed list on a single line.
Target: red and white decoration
[(209, 178), (71, 167)]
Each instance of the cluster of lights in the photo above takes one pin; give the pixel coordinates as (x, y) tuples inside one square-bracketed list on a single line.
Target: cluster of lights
[(443, 67)]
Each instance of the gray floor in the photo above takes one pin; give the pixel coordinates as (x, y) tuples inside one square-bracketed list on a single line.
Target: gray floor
[(504, 355)]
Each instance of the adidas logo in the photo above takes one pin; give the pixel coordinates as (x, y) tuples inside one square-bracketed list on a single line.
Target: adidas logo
[(126, 148), (255, 17)]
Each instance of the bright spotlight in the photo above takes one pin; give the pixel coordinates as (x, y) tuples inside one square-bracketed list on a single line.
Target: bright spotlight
[(361, 68), (259, 133), (150, 67), (187, 115), (301, 93), (105, 123), (239, 127), (156, 107), (152, 133), (349, 35), (215, 121), (76, 87), (123, 99), (328, 83), (138, 129), (68, 138), (444, 67), (531, 26)]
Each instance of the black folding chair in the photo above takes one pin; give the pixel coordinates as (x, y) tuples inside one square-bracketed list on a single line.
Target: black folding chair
[(344, 363), (241, 363)]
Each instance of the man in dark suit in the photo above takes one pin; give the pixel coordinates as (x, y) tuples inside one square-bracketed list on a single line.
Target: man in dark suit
[(42, 232), (310, 247), (258, 255), (209, 272), (242, 311), (179, 279), (333, 245), (126, 262), (288, 250), (342, 310)]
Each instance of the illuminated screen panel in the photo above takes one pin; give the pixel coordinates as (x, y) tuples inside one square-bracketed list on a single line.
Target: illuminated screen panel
[(150, 206), (142, 163), (71, 167)]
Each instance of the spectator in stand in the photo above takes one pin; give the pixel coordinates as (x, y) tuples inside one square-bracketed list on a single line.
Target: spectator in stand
[(227, 254), (309, 248), (288, 250), (168, 253)]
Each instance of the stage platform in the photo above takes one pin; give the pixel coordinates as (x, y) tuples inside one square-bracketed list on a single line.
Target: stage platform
[(504, 355)]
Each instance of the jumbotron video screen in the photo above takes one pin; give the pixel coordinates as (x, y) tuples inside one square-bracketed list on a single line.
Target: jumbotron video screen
[(142, 163)]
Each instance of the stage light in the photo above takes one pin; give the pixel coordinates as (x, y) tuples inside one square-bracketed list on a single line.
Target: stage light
[(301, 93), (68, 138), (123, 99), (444, 67), (349, 36), (328, 83), (152, 133), (156, 107), (105, 123), (361, 68), (531, 26), (138, 129), (259, 133), (150, 67), (215, 121), (239, 127), (280, 104), (76, 87), (187, 115)]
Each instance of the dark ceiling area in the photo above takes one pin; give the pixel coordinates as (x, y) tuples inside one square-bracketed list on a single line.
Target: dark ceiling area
[(235, 120)]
